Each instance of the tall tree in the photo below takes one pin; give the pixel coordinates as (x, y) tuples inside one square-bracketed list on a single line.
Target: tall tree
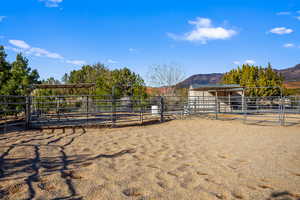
[(123, 81), (259, 81), (127, 83), (4, 69), (20, 77)]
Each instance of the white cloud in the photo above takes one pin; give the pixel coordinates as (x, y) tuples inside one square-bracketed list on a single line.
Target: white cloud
[(283, 13), (250, 62), (281, 30), (43, 53), (288, 45), (201, 22), (236, 62), (2, 18), (51, 3), (76, 62), (14, 49), (20, 44), (132, 50), (112, 61), (204, 31)]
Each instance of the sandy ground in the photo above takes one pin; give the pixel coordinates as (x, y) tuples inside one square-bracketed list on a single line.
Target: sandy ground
[(181, 159)]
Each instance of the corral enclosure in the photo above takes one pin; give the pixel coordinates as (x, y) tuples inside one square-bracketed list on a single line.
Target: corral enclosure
[(177, 160), (78, 110)]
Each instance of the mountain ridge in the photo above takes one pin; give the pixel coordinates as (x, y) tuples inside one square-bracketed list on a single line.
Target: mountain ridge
[(290, 74)]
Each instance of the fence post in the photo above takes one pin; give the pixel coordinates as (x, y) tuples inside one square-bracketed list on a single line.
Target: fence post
[(283, 112), (57, 108), (216, 107), (162, 109), (87, 108), (113, 107), (28, 111), (5, 113), (141, 112), (244, 105)]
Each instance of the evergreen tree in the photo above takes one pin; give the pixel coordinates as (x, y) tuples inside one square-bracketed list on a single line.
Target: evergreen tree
[(4, 69), (20, 78), (259, 81)]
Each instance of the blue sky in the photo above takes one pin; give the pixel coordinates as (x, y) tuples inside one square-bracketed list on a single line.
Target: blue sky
[(205, 36)]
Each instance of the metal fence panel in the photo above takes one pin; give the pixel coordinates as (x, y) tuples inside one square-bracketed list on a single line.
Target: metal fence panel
[(68, 110)]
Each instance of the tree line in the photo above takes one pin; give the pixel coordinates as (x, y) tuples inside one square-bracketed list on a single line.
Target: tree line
[(258, 80), (16, 78), (118, 82)]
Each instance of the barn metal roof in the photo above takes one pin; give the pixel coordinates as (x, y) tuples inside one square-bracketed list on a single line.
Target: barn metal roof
[(216, 87), (55, 86)]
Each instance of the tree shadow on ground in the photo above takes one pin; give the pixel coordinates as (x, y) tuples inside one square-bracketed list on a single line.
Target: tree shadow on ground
[(38, 165), (283, 195)]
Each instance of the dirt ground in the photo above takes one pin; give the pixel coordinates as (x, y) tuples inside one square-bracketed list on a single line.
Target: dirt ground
[(181, 159)]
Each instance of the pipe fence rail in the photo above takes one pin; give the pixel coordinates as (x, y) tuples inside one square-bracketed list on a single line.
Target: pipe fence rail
[(70, 110)]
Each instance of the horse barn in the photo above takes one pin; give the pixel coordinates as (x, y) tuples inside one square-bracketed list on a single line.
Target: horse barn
[(216, 98)]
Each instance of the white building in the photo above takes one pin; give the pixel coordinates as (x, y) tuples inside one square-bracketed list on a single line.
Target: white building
[(216, 98)]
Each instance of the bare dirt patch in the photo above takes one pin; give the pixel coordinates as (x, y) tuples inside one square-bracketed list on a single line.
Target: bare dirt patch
[(181, 159)]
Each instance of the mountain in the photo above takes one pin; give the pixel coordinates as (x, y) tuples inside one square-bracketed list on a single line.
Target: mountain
[(201, 79), (290, 74)]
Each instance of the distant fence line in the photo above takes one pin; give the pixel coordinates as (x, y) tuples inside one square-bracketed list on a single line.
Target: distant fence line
[(75, 110)]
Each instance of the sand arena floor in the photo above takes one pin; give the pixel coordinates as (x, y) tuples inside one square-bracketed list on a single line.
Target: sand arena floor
[(181, 159)]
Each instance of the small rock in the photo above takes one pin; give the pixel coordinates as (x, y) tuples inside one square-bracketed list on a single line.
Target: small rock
[(131, 192), (162, 185), (238, 194), (46, 186)]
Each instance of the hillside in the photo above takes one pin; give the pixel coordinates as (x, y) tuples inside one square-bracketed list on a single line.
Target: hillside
[(290, 75), (201, 79), (292, 84)]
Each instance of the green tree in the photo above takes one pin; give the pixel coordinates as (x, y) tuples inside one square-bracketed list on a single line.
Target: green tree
[(4, 70), (20, 78), (123, 81), (259, 81)]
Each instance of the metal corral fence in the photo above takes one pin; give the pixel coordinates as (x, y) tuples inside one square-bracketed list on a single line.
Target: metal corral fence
[(31, 111)]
